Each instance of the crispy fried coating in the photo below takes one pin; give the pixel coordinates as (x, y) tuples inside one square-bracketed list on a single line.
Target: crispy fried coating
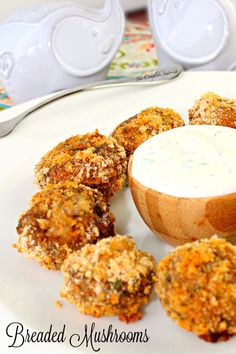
[(63, 218), (91, 159), (110, 278), (152, 121), (197, 288), (212, 109)]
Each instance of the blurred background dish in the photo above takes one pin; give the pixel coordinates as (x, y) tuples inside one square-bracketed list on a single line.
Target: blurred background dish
[(136, 53), (199, 34), (56, 46), (11, 6)]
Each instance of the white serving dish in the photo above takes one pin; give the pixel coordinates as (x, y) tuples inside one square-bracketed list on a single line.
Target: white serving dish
[(28, 292)]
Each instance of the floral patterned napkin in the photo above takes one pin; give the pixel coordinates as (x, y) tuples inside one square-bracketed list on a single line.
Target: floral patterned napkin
[(137, 52)]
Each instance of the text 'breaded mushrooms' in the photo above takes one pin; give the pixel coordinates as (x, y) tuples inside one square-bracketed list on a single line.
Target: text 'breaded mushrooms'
[(63, 218), (152, 121), (110, 278), (197, 288), (91, 159), (212, 109)]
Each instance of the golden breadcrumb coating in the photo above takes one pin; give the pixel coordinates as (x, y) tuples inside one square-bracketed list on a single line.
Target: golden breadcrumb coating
[(110, 278), (212, 109), (197, 287), (63, 218), (91, 159), (152, 121), (58, 304)]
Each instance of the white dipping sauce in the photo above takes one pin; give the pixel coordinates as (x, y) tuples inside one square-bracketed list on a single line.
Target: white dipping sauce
[(192, 161)]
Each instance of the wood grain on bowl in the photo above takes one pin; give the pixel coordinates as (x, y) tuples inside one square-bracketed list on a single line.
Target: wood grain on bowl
[(178, 220)]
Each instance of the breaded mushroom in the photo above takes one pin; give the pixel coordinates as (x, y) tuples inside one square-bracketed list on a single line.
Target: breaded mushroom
[(197, 288), (152, 121), (212, 109), (110, 278), (63, 218), (91, 159)]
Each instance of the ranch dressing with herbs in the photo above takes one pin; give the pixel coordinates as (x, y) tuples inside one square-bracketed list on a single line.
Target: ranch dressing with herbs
[(191, 161)]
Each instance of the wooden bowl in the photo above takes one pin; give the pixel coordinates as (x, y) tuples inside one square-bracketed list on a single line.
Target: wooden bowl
[(179, 220)]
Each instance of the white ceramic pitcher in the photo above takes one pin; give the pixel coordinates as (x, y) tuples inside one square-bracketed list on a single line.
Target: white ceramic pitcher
[(199, 34), (46, 48)]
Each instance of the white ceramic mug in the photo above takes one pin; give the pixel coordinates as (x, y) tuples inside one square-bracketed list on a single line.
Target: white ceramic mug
[(46, 48)]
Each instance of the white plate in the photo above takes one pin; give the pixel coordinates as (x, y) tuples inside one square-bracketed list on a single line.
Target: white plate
[(28, 292)]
